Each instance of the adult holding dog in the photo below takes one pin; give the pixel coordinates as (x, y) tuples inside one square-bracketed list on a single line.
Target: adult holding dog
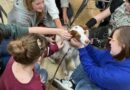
[(103, 69)]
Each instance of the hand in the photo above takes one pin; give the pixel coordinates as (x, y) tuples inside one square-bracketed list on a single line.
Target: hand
[(60, 44), (76, 43), (64, 34)]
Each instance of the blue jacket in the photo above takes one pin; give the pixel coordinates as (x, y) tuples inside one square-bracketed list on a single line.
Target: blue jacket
[(105, 71)]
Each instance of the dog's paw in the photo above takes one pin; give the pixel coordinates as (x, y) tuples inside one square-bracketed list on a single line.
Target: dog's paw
[(65, 72)]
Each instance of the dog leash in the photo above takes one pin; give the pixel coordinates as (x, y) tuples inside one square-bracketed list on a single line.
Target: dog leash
[(2, 11), (58, 68), (82, 6)]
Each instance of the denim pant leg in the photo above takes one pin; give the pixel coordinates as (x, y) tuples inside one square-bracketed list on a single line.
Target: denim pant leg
[(82, 81), (78, 74), (43, 73), (85, 85)]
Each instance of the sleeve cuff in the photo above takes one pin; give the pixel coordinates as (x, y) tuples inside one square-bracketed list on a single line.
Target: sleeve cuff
[(55, 16)]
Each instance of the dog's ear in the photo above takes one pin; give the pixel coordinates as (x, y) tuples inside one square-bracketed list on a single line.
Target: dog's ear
[(84, 27), (75, 35)]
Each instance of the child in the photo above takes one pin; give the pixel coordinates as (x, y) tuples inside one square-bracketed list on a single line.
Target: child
[(19, 73)]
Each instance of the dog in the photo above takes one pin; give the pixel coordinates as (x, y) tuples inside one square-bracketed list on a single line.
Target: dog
[(71, 60)]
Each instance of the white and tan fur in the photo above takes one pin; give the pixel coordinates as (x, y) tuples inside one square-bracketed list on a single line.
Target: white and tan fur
[(71, 60)]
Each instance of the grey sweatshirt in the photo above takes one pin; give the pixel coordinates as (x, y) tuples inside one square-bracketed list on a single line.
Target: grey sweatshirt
[(20, 15)]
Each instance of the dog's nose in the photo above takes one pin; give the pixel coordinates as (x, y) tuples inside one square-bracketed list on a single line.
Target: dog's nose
[(87, 41)]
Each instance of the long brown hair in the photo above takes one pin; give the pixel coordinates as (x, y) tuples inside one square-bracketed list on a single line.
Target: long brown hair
[(28, 5), (25, 50), (123, 39)]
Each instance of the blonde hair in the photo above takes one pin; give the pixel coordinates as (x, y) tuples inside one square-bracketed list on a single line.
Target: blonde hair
[(26, 50), (28, 4)]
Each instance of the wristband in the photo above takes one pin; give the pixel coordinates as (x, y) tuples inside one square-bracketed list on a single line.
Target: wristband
[(91, 22)]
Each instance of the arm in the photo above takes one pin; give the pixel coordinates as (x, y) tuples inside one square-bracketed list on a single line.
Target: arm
[(63, 33), (103, 15), (64, 6), (65, 16), (98, 18), (16, 30), (53, 12), (58, 23), (12, 30), (97, 54), (107, 12)]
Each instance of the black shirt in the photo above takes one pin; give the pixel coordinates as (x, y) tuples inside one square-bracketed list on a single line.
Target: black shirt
[(115, 4)]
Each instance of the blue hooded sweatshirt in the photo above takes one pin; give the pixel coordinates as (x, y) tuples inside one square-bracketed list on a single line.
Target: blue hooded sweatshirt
[(104, 70)]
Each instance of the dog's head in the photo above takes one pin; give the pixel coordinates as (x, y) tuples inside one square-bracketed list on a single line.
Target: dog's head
[(79, 34)]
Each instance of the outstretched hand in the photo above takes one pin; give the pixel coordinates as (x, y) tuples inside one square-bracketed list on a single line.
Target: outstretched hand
[(65, 34)]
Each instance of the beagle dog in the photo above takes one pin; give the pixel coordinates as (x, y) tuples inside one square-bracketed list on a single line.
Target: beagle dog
[(71, 60)]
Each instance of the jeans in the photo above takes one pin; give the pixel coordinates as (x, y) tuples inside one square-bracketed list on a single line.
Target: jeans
[(43, 73), (81, 80)]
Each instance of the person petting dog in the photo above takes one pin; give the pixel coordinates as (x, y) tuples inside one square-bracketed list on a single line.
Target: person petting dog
[(14, 31), (107, 69), (31, 13)]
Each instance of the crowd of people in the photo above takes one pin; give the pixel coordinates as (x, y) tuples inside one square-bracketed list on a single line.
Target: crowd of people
[(23, 42)]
